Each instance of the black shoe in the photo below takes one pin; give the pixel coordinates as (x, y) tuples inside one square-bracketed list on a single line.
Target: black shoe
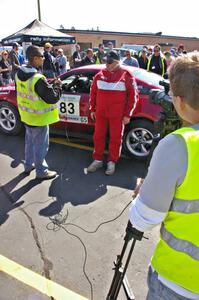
[(27, 172)]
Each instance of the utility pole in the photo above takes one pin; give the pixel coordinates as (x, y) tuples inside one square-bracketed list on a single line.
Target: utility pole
[(39, 11)]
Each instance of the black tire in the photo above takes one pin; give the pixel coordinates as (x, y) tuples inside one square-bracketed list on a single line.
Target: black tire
[(138, 139), (10, 122)]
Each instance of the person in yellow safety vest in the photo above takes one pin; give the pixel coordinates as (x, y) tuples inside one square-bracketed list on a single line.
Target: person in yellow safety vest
[(156, 62), (99, 55), (37, 104), (169, 195)]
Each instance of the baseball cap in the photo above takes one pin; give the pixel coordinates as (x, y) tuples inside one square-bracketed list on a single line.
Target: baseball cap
[(48, 45), (33, 51), (110, 43), (112, 56), (181, 46)]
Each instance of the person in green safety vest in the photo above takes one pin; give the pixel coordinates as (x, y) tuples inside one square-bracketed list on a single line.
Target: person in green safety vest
[(99, 55), (156, 62), (37, 104), (169, 195)]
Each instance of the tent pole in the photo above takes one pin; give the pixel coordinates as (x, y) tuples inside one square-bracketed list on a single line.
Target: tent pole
[(39, 10)]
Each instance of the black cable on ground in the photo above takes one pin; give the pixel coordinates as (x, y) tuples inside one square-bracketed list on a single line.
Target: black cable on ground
[(59, 222)]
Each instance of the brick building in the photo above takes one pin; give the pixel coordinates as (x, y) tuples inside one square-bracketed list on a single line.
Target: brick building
[(92, 38)]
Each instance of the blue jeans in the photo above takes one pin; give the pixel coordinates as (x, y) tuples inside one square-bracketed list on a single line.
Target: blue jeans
[(158, 291), (36, 148)]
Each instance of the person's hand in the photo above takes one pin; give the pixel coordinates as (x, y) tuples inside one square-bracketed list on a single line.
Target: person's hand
[(139, 182), (126, 120), (57, 82), (93, 115)]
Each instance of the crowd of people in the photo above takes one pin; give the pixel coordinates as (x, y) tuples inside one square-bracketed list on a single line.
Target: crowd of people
[(56, 62), (149, 58)]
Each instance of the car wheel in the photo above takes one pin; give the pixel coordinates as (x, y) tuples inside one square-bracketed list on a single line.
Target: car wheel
[(138, 138), (10, 122)]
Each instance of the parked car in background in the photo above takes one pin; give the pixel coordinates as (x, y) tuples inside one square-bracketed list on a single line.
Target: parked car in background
[(74, 109)]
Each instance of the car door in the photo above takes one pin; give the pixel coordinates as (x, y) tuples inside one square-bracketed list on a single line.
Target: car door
[(74, 103)]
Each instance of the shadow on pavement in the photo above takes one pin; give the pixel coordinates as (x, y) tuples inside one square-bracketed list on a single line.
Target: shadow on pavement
[(13, 197), (72, 185)]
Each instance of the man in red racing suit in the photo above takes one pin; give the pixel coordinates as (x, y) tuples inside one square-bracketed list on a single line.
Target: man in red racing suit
[(112, 100)]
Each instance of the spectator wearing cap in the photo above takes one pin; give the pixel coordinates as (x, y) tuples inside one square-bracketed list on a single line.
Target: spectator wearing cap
[(37, 103), (129, 60), (99, 56), (150, 51), (143, 59), (14, 59), (180, 49), (62, 61), (49, 68), (157, 62), (173, 52), (5, 68), (112, 99)]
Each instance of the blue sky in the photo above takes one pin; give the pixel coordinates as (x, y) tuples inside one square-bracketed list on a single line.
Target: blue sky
[(170, 17)]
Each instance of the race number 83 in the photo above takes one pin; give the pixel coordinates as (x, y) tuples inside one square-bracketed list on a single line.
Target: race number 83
[(69, 105)]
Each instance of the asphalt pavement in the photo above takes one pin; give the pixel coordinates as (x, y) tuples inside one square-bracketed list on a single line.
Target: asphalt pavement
[(59, 237)]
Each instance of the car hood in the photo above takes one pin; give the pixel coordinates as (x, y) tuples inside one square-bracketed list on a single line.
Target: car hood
[(26, 72)]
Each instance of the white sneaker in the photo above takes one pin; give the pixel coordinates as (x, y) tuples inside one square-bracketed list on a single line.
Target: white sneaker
[(110, 168), (95, 165)]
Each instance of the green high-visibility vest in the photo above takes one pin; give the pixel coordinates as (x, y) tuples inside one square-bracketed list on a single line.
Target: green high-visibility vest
[(32, 109), (97, 61), (161, 59), (176, 257)]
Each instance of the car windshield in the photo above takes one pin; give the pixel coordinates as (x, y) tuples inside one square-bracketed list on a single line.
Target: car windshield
[(148, 77)]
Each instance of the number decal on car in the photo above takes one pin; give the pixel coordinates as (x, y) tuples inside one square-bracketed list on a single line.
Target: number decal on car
[(69, 109)]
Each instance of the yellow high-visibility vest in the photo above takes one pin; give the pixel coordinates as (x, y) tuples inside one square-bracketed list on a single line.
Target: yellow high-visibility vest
[(32, 109), (176, 257)]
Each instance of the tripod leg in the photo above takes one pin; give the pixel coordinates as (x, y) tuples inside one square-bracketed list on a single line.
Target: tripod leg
[(127, 289), (120, 272), (117, 275)]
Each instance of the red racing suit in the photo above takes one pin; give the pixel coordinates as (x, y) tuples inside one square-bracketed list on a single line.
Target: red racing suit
[(113, 96)]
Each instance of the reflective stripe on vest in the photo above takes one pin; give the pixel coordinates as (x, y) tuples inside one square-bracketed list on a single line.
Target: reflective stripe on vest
[(34, 111), (111, 86), (180, 245), (29, 97), (185, 206)]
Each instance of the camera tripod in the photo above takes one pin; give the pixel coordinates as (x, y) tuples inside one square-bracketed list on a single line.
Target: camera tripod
[(120, 277)]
